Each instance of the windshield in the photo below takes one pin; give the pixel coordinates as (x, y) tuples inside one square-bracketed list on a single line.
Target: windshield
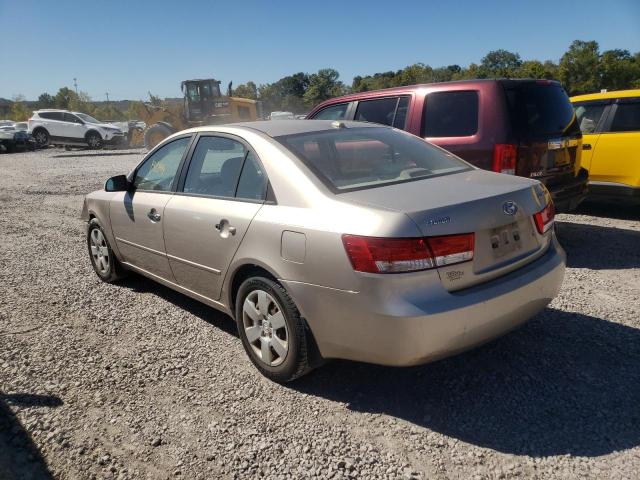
[(87, 118), (348, 159), (541, 109)]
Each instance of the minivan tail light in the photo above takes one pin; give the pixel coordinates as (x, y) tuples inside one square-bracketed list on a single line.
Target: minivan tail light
[(504, 158), (544, 218), (396, 255)]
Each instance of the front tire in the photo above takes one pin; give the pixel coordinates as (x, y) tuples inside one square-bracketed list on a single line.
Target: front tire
[(155, 134), (94, 140), (103, 260), (272, 332)]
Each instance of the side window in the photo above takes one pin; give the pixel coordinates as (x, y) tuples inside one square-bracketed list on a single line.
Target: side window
[(334, 112), (45, 115), (589, 115), (68, 117), (57, 116), (387, 111), (159, 170), (253, 180), (626, 118), (451, 114), (215, 167)]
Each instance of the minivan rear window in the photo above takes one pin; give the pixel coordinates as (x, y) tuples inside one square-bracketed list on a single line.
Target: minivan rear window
[(451, 114), (540, 109), (348, 159)]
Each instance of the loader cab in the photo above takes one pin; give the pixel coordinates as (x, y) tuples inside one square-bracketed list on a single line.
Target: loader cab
[(203, 101)]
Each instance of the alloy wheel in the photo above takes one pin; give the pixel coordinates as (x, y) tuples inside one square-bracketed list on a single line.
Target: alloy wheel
[(99, 251), (265, 327)]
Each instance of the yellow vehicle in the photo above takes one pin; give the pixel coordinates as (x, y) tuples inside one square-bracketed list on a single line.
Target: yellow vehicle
[(203, 104), (610, 124)]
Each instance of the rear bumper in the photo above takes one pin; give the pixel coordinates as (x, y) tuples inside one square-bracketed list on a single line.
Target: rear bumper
[(429, 322), (567, 196)]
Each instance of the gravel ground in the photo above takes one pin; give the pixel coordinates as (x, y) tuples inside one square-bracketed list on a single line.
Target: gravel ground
[(136, 381)]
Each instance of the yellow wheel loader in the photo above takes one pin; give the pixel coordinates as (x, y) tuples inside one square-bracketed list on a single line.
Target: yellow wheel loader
[(203, 104)]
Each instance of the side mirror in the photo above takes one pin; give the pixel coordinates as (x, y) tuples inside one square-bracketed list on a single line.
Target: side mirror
[(119, 183)]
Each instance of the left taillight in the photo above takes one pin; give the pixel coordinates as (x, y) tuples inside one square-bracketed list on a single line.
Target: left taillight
[(544, 218), (396, 255), (504, 158)]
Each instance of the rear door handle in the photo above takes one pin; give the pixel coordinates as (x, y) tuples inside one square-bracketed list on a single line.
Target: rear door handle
[(586, 146), (153, 215), (224, 228)]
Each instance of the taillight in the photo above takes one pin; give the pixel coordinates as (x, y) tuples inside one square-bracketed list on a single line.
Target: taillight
[(395, 255), (504, 158), (544, 218)]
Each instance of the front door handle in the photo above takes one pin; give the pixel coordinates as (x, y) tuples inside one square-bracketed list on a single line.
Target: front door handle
[(153, 215), (586, 146)]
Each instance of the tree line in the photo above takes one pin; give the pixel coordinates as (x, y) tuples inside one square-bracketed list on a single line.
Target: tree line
[(582, 69)]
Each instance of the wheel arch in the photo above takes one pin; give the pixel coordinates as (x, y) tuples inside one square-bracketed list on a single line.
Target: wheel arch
[(252, 268), (90, 131)]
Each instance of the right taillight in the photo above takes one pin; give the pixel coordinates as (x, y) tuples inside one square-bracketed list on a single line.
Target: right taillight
[(396, 255), (504, 158), (544, 218)]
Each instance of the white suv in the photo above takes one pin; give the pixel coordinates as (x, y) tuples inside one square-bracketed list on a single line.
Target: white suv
[(62, 127)]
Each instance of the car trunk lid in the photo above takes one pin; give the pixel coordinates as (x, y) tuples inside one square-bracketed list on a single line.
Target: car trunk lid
[(497, 209)]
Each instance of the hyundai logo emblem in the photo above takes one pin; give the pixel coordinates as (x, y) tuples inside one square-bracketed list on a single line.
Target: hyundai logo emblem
[(509, 208)]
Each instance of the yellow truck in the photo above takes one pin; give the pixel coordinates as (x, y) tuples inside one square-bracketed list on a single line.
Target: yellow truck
[(610, 124)]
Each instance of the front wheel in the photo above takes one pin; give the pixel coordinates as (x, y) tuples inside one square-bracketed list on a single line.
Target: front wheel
[(272, 332), (104, 262), (94, 140)]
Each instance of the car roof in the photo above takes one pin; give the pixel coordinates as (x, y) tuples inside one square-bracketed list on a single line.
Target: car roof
[(289, 127), (607, 95), (475, 83)]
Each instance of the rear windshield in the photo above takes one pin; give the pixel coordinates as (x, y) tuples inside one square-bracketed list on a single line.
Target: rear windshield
[(540, 109), (348, 159)]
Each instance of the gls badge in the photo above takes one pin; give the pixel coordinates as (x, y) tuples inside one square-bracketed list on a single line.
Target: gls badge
[(509, 208)]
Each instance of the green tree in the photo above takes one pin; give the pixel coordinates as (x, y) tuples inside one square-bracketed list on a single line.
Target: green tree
[(46, 101), (248, 90), (579, 68), (323, 85), (618, 70), (500, 64), (63, 97), (19, 110)]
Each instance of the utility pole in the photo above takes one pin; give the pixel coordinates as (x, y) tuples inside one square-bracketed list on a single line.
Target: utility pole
[(75, 84), (107, 94)]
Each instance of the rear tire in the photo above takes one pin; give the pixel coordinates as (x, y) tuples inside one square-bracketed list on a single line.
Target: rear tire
[(103, 260), (155, 134), (41, 136), (274, 336)]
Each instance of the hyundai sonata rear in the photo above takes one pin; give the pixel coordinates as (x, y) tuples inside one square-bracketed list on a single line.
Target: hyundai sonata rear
[(332, 240)]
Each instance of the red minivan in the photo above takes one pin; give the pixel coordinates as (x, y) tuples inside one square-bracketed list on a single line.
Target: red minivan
[(521, 127)]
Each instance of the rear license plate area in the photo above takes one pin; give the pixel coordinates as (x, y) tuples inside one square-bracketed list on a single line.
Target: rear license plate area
[(505, 240)]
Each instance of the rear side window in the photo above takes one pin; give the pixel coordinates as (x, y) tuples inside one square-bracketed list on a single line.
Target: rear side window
[(540, 109), (588, 115), (626, 118), (215, 167), (451, 114), (51, 115), (334, 112), (387, 111)]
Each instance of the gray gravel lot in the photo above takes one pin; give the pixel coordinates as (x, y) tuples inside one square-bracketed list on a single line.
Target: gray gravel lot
[(136, 381)]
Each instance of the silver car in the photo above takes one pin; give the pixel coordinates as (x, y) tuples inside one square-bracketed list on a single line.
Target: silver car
[(331, 240)]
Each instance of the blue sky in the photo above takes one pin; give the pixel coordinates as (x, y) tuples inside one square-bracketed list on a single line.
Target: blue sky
[(128, 48)]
